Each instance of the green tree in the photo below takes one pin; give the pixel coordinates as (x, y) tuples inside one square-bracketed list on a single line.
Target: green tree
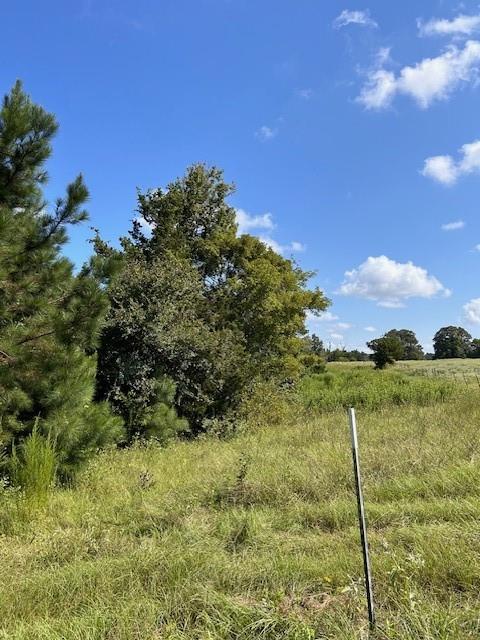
[(314, 357), (452, 342), (475, 352), (198, 305), (386, 351), (412, 349), (49, 317), (156, 334)]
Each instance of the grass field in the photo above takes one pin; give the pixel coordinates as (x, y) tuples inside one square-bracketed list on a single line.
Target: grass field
[(453, 368), (256, 537)]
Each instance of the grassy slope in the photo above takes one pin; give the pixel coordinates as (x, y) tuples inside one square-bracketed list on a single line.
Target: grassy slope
[(257, 537)]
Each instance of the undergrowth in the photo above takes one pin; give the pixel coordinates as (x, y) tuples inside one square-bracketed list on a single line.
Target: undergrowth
[(255, 536)]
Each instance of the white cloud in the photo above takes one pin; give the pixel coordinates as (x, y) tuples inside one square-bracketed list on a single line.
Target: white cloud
[(146, 226), (297, 246), (429, 80), (472, 311), (246, 222), (440, 168), (477, 247), (347, 17), (462, 25), (266, 133), (343, 325), (453, 226), (379, 89), (390, 283), (370, 329), (447, 170), (293, 247), (326, 316), (306, 94), (336, 336)]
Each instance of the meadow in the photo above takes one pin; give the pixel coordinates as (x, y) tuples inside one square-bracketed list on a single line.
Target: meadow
[(255, 536)]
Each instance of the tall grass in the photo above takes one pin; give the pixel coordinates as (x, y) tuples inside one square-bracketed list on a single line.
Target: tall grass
[(371, 389), (33, 467), (255, 537)]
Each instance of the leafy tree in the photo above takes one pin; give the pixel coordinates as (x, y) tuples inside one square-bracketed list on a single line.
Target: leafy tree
[(154, 336), (197, 304), (49, 318), (412, 349), (314, 358), (475, 351), (386, 351), (317, 345), (452, 342), (342, 355)]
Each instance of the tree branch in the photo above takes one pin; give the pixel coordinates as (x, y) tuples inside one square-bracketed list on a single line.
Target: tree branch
[(31, 338)]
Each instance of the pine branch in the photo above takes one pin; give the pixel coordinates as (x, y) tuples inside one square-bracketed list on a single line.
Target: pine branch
[(31, 338)]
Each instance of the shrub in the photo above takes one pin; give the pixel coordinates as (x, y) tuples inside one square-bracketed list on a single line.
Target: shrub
[(269, 403), (33, 466)]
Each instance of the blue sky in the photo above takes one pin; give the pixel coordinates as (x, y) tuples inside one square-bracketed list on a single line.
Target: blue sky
[(350, 130)]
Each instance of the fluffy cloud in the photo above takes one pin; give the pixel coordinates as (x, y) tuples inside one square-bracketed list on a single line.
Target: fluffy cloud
[(390, 283), (247, 222), (326, 316), (453, 226), (347, 17), (292, 247), (447, 170), (266, 133), (440, 168), (429, 80), (472, 311), (370, 329), (462, 25)]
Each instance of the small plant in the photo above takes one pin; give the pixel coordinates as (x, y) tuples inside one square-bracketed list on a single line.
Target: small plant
[(33, 467)]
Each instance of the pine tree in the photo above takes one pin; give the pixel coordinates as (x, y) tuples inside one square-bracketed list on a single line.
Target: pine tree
[(49, 317)]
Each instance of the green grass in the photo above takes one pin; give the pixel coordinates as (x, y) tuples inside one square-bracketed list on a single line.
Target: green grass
[(456, 369), (362, 386), (256, 536)]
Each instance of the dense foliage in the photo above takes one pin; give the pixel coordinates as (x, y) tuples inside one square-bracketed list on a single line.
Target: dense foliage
[(197, 305), (412, 349), (452, 342), (49, 317), (386, 350)]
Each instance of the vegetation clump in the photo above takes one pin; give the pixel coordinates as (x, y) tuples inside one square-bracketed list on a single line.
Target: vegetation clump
[(194, 303), (49, 316)]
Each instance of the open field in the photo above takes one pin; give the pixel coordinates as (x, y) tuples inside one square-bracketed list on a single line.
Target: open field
[(256, 537), (449, 367)]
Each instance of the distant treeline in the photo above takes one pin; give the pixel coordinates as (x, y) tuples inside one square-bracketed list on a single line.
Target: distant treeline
[(402, 344)]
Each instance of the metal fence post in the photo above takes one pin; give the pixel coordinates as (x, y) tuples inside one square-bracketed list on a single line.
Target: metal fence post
[(361, 518)]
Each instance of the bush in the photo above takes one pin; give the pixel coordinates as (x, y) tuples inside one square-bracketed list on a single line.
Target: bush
[(269, 404), (33, 466)]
